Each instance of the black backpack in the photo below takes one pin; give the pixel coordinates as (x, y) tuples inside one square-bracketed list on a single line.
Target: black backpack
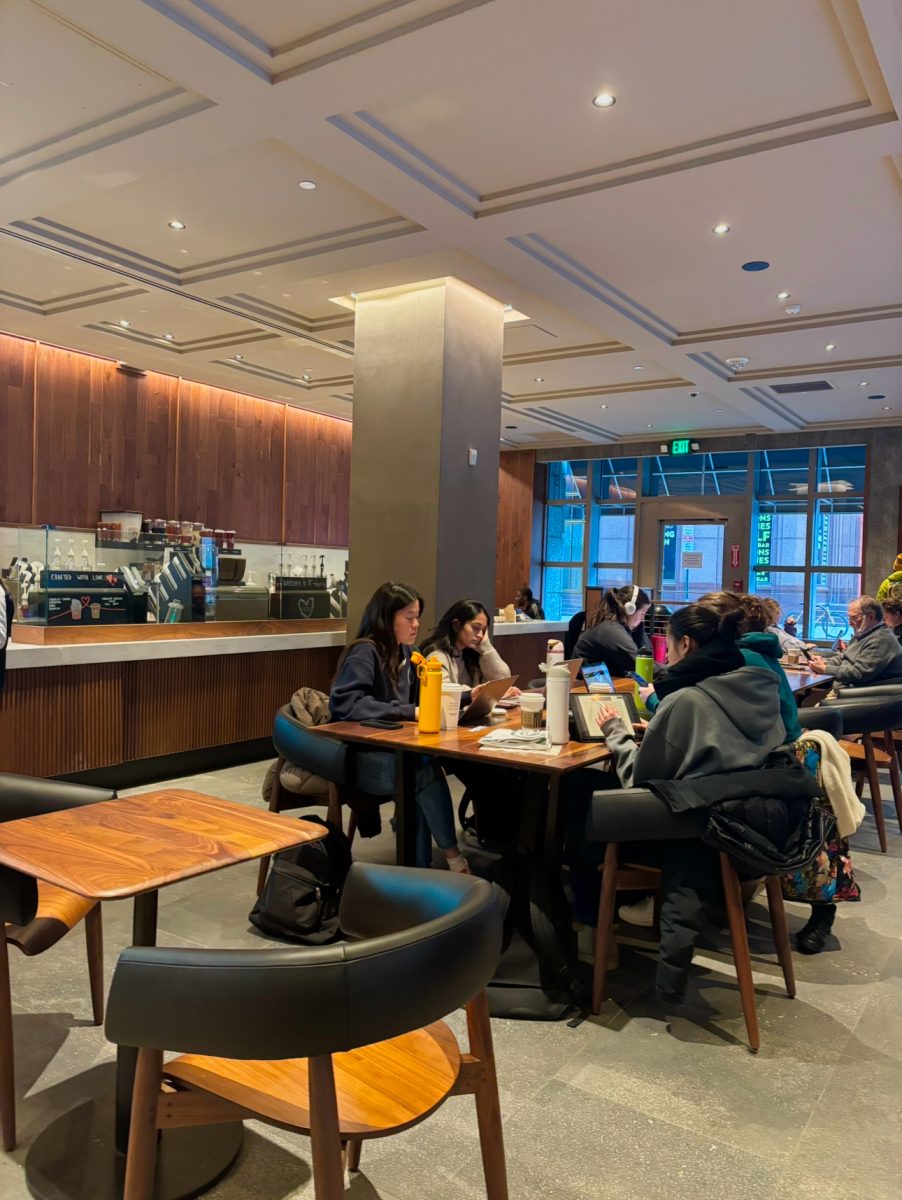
[(300, 899)]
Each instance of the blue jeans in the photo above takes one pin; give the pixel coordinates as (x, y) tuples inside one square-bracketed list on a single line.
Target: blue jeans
[(374, 773)]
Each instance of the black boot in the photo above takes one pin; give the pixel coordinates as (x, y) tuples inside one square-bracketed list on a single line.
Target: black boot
[(813, 938)]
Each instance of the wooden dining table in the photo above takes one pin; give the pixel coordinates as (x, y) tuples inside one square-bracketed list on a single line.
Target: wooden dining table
[(114, 850)]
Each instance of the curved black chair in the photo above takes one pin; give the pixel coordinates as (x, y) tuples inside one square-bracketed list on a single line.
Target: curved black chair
[(637, 815), (828, 720), (296, 743), (575, 627), (35, 916), (866, 712), (344, 1042)]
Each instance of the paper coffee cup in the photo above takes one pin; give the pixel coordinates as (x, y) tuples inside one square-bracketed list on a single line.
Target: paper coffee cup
[(451, 694), (531, 705)]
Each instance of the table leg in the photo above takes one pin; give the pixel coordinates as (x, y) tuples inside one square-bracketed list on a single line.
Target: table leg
[(81, 1155), (405, 809)]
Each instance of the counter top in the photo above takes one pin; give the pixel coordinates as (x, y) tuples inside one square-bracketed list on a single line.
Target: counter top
[(22, 656), (506, 628)]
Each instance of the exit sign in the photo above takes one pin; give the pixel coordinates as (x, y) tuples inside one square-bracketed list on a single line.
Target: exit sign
[(680, 446)]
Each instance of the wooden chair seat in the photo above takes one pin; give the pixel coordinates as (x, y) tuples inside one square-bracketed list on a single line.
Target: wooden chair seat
[(58, 912), (380, 1089), (858, 754)]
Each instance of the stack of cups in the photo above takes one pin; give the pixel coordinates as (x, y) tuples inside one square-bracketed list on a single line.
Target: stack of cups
[(531, 705), (451, 694)]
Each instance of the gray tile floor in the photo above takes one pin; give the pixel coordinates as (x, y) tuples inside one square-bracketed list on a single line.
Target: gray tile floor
[(638, 1104)]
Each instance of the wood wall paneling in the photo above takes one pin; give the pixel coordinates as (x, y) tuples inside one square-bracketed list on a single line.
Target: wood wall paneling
[(103, 439), (59, 720), (317, 479), (17, 365), (230, 458), (515, 519)]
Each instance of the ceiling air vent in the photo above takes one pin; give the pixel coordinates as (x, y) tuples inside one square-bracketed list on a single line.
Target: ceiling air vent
[(794, 389)]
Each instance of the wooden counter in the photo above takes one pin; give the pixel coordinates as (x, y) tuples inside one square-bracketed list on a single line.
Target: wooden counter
[(71, 635)]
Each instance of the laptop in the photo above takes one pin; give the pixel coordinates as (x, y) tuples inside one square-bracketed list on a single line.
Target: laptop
[(486, 700), (573, 666)]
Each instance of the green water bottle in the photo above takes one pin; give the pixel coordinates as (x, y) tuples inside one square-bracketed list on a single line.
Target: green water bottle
[(645, 666)]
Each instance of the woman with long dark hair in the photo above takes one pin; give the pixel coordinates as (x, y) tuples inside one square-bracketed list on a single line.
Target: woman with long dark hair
[(614, 632), (461, 643), (375, 680)]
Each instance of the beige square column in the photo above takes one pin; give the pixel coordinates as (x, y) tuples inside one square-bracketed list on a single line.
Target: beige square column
[(427, 401)]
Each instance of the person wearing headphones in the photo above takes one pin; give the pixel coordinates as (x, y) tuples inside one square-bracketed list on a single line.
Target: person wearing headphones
[(615, 633)]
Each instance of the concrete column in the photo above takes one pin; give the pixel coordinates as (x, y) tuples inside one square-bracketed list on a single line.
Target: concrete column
[(427, 394)]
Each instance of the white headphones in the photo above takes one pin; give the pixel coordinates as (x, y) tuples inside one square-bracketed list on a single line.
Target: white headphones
[(630, 607)]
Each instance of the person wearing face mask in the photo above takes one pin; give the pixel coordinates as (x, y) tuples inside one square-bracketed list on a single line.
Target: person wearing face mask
[(375, 680), (874, 654), (615, 633)]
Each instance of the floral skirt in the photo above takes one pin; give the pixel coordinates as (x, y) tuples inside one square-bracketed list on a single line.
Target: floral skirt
[(829, 878)]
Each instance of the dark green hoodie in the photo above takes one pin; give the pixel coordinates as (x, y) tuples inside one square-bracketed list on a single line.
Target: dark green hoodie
[(763, 650)]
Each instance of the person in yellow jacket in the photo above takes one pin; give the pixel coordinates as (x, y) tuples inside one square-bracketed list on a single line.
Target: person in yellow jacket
[(893, 580)]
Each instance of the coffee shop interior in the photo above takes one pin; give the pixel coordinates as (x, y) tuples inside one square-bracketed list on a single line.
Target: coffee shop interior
[(451, 589)]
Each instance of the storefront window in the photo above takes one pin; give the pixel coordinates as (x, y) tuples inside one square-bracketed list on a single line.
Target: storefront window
[(788, 589), (782, 472), (615, 529), (840, 469), (830, 596), (567, 480), (617, 479), (780, 534), (698, 474), (564, 533), (563, 594)]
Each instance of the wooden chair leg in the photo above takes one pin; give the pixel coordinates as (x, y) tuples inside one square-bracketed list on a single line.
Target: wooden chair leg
[(741, 956), (859, 783), (328, 1167), (140, 1163), (781, 932), (874, 785), (605, 924), (333, 811), (488, 1103), (275, 805), (94, 941), (894, 774), (352, 1154), (7, 1065)]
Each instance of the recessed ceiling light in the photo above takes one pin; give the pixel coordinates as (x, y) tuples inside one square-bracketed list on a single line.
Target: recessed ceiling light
[(603, 406), (783, 295), (508, 308), (306, 377), (177, 225), (604, 100), (738, 363), (308, 185), (792, 310), (239, 358), (718, 410), (353, 295), (638, 367), (721, 229), (539, 379), (649, 426), (170, 337), (125, 324), (830, 346), (756, 264), (887, 408), (864, 383)]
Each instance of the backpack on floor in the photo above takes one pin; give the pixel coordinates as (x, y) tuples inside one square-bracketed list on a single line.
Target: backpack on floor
[(302, 893)]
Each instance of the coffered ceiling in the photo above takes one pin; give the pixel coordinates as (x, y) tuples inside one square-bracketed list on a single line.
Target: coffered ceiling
[(460, 138)]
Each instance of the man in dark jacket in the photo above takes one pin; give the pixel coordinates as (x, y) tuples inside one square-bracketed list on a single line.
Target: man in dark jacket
[(874, 654)]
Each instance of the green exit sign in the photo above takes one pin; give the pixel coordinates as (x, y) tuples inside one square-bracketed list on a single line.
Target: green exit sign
[(680, 446)]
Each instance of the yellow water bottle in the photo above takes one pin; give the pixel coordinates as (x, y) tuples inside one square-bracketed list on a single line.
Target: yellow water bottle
[(429, 673)]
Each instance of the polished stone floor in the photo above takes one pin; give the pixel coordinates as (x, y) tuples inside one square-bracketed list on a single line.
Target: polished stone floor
[(638, 1104)]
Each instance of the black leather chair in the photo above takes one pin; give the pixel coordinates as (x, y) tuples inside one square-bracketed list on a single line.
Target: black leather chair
[(35, 916), (868, 712), (343, 1042), (636, 815), (829, 720), (296, 743)]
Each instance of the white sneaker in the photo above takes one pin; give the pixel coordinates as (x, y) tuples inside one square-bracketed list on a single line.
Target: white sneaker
[(641, 913)]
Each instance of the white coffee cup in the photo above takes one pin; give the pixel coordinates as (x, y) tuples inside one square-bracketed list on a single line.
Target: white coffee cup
[(531, 705), (451, 694)]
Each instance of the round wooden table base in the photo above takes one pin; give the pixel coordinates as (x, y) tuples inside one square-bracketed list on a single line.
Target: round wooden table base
[(74, 1158)]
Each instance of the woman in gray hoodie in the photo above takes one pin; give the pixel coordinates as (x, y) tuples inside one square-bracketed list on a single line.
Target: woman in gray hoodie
[(716, 715)]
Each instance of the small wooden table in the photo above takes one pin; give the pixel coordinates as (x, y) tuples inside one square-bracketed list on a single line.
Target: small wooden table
[(110, 851), (803, 680)]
